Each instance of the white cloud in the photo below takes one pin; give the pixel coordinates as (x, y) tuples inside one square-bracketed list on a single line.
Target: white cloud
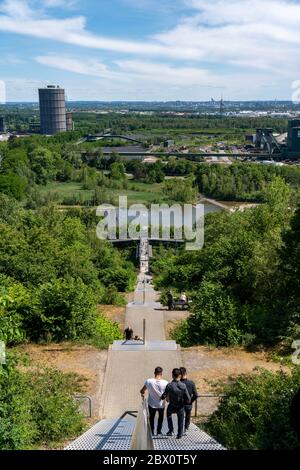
[(162, 79), (11, 59), (90, 67), (21, 19), (261, 32), (59, 3), (128, 70), (18, 9), (221, 31), (164, 73), (223, 42)]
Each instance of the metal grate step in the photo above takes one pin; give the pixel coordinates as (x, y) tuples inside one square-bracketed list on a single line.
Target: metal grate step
[(107, 434), (116, 435)]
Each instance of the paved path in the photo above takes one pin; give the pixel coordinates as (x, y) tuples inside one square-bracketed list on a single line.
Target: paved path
[(127, 370), (146, 306), (126, 375)]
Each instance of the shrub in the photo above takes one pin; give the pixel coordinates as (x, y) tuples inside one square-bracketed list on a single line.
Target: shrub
[(216, 319), (65, 309), (113, 297), (17, 427), (13, 298), (54, 410), (255, 413), (121, 278), (13, 185), (37, 408), (106, 332)]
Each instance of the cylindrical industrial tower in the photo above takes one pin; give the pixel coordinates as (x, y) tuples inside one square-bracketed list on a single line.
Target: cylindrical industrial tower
[(52, 110), (2, 125), (70, 126)]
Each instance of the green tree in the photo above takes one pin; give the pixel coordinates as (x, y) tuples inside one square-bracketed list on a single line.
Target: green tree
[(254, 414), (180, 190), (13, 185), (14, 301), (290, 266), (117, 171), (216, 319), (64, 310), (37, 407), (43, 164)]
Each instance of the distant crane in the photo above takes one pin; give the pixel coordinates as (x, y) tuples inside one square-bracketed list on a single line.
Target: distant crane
[(222, 106)]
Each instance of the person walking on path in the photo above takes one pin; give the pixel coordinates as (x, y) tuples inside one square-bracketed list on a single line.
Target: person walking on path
[(156, 387), (191, 387), (178, 396), (170, 300)]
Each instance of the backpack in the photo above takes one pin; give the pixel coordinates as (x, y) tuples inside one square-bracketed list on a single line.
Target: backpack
[(178, 396)]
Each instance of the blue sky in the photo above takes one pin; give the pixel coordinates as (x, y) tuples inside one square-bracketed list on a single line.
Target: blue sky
[(150, 49)]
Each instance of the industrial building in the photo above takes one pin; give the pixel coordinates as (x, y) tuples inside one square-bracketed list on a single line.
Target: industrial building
[(284, 145), (2, 125), (52, 110), (293, 137), (169, 143), (70, 124)]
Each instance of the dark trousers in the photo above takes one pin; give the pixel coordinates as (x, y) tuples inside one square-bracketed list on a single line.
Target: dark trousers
[(180, 416), (188, 412), (152, 413)]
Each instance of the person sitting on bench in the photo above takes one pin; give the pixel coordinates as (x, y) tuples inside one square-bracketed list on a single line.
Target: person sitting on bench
[(137, 338)]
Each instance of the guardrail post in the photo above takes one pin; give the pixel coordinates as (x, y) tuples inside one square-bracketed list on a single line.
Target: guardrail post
[(81, 397), (144, 330)]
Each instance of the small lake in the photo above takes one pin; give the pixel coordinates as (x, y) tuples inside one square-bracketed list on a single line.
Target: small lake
[(209, 208)]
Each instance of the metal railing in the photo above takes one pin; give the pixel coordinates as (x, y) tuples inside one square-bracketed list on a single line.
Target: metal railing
[(142, 436), (89, 400)]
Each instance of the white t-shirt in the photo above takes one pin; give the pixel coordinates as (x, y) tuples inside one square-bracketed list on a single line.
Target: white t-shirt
[(155, 389)]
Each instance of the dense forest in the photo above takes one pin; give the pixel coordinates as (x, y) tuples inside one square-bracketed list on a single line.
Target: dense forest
[(161, 123), (244, 282), (243, 181), (53, 272)]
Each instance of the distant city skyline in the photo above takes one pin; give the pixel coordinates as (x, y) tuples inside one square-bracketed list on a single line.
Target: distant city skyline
[(150, 50)]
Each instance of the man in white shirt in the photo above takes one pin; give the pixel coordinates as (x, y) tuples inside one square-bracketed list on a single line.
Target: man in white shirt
[(156, 387)]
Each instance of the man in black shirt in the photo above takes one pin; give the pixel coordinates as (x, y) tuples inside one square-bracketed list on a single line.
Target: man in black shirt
[(128, 333), (191, 387), (178, 396)]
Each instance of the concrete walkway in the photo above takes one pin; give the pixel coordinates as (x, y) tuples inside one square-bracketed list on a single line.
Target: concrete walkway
[(127, 371)]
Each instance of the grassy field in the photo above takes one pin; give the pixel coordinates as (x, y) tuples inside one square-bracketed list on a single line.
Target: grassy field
[(137, 193), (63, 191)]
